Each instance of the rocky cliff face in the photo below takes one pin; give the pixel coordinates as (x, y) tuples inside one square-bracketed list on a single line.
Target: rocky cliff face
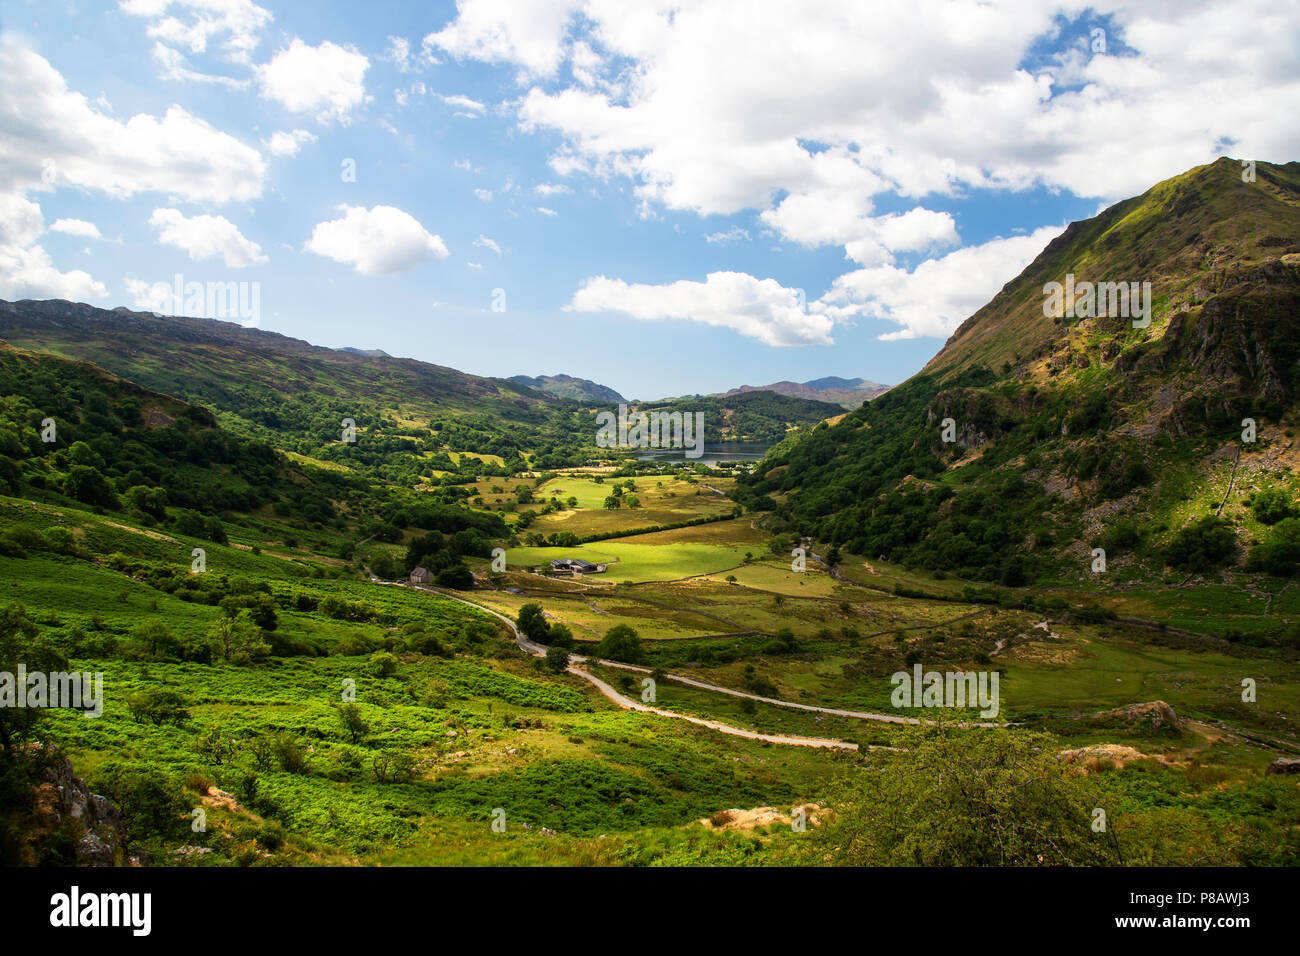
[(62, 798)]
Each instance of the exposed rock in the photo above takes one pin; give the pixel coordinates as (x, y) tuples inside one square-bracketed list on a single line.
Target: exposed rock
[(63, 795), (1284, 765), (1116, 753), (760, 817), (1155, 714), (219, 798)]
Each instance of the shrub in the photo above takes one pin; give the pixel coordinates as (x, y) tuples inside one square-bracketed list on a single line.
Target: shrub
[(1202, 546), (1272, 506)]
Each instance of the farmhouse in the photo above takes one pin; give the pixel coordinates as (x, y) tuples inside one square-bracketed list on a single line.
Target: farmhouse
[(421, 576), (575, 566)]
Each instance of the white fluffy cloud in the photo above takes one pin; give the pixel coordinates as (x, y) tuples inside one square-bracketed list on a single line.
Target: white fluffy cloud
[(206, 236), (939, 294), (835, 101), (327, 81), (284, 143), (728, 106), (191, 24), (486, 243), (399, 53), (76, 227), (375, 241), (464, 103), (26, 271), (759, 308), (734, 234), (529, 34), (51, 137), (176, 67)]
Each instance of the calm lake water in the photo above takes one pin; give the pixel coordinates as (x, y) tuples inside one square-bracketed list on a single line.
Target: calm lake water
[(714, 452)]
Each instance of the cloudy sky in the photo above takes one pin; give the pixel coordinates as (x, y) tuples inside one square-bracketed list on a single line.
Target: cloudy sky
[(664, 197)]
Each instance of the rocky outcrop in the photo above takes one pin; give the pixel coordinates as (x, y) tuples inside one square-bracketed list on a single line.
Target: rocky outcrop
[(1283, 765), (62, 796), (1153, 715)]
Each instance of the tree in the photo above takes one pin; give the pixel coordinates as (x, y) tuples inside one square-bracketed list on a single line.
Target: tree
[(394, 766), (1271, 506), (383, 565), (285, 748), (1279, 553), (151, 502), (87, 485), (955, 797), (559, 635), (238, 639), (1202, 546), (381, 664), (158, 707), (156, 642), (18, 635), (262, 612), (457, 577), (350, 717), (621, 643), (215, 745), (557, 659), (532, 622)]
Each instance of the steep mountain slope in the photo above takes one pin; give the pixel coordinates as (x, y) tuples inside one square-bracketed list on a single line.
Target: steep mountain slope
[(1191, 237), (1067, 433), (71, 431), (847, 392), (566, 386)]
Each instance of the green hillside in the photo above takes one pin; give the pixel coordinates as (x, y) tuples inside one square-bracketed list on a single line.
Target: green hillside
[(1072, 434)]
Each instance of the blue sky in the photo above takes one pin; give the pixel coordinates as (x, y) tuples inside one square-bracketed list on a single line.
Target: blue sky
[(642, 188)]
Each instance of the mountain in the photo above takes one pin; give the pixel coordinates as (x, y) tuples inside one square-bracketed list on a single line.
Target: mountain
[(566, 386), (69, 428), (296, 395), (834, 381), (846, 392), (1071, 431), (370, 353), (415, 417)]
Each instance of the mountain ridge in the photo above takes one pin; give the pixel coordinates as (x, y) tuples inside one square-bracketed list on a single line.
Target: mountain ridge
[(1032, 438), (848, 393)]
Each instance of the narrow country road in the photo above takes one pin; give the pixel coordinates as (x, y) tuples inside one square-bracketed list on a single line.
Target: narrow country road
[(539, 650)]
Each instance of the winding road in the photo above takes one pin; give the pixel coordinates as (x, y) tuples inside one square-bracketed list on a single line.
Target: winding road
[(627, 703)]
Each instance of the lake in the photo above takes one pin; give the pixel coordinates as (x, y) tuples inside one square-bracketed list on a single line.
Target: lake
[(714, 452)]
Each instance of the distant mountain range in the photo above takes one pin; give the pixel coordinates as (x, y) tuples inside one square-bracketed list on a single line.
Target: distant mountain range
[(849, 392), (566, 386), (846, 392)]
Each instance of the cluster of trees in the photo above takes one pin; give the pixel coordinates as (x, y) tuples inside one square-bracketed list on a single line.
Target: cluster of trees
[(118, 447), (620, 643), (877, 483)]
